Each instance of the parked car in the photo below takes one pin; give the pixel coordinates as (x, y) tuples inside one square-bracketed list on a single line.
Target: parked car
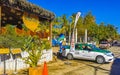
[(104, 45), (91, 52), (116, 43)]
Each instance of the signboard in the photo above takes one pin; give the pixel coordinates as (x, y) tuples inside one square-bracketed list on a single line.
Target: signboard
[(4, 51), (72, 44), (31, 21), (72, 47), (16, 51)]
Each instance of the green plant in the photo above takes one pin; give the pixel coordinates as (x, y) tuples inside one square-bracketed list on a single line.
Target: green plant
[(34, 46), (10, 39)]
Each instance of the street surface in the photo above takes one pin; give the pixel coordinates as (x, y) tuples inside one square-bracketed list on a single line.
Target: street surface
[(83, 67)]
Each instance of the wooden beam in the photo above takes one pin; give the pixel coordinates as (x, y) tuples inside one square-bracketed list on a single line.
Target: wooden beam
[(0, 18), (50, 32)]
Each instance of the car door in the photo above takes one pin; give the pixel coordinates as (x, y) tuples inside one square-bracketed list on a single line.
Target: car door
[(88, 53), (77, 52)]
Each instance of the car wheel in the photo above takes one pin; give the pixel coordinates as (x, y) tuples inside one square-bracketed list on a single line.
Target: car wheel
[(70, 56), (100, 59)]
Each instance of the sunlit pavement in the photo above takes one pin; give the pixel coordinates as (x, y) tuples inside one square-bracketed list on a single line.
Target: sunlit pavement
[(83, 67)]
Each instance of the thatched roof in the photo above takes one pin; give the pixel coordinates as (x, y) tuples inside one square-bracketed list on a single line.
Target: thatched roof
[(25, 6)]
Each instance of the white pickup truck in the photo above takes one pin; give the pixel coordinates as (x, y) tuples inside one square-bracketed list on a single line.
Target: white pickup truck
[(90, 52)]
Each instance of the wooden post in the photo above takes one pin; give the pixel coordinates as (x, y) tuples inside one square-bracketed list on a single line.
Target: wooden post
[(50, 34), (0, 18)]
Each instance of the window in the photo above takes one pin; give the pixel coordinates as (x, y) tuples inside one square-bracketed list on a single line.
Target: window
[(77, 47), (86, 47)]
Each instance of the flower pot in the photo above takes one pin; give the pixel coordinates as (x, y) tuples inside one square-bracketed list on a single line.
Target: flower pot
[(35, 70)]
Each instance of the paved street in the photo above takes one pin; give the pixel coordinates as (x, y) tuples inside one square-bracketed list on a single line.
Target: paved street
[(83, 67)]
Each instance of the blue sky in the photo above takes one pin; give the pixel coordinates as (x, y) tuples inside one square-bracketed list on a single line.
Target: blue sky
[(107, 11)]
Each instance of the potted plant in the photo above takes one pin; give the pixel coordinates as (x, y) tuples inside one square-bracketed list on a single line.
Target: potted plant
[(34, 47)]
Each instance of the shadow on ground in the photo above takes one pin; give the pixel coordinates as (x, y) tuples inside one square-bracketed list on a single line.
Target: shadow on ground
[(59, 56), (115, 68)]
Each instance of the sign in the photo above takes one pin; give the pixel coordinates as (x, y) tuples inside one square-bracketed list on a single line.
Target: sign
[(72, 45), (4, 51), (30, 21), (76, 19), (16, 51)]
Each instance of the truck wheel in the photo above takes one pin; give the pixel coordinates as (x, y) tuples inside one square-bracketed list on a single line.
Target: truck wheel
[(70, 56), (100, 59)]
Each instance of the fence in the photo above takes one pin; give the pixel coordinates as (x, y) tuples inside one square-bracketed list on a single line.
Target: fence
[(11, 62)]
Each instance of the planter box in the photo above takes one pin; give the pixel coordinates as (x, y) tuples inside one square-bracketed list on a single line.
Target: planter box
[(35, 70)]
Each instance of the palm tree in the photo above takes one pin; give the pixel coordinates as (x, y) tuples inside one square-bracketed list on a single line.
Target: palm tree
[(65, 25), (56, 30)]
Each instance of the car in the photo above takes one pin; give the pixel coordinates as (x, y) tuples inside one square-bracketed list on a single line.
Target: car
[(104, 45), (91, 52), (116, 43)]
